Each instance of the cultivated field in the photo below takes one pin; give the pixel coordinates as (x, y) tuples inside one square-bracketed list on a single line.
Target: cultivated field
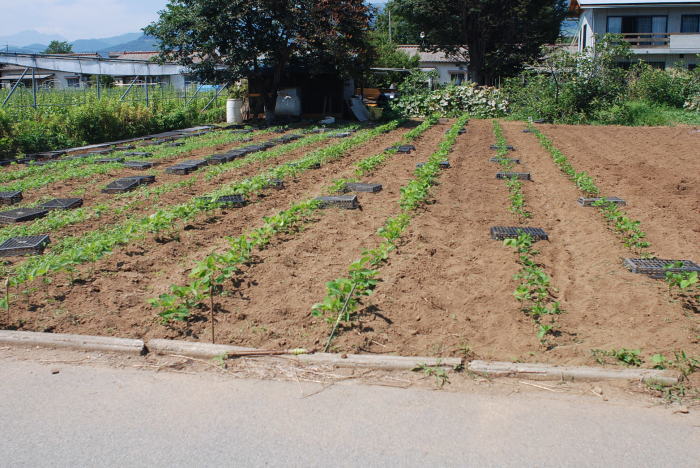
[(131, 264)]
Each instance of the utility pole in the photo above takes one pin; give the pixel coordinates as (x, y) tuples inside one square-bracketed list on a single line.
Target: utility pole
[(388, 10)]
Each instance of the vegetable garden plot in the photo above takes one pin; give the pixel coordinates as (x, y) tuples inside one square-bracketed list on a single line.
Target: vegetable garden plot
[(204, 232)]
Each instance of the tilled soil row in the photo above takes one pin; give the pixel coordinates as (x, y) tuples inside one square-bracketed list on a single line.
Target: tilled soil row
[(656, 170), (112, 296)]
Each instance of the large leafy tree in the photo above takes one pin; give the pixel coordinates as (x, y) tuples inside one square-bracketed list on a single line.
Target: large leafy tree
[(500, 35), (225, 41), (59, 47)]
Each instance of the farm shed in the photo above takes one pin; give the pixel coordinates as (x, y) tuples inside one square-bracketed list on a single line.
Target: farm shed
[(302, 93)]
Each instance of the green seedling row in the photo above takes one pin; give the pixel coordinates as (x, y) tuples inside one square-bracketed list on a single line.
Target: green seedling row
[(632, 235), (89, 247), (58, 219), (39, 176), (534, 290), (515, 186), (344, 295)]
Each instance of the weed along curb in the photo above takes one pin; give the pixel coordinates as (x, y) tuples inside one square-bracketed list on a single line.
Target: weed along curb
[(548, 372), (80, 342)]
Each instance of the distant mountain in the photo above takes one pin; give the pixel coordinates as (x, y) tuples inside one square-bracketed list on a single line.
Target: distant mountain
[(143, 43), (29, 37), (94, 45)]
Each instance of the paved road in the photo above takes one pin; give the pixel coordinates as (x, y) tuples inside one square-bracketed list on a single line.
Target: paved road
[(87, 416)]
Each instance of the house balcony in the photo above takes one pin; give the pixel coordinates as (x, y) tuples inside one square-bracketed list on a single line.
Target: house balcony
[(663, 43)]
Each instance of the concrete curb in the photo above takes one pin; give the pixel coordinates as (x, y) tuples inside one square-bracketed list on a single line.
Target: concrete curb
[(191, 349), (549, 372), (366, 361), (206, 350), (57, 340)]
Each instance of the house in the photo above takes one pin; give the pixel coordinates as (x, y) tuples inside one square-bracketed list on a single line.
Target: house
[(661, 33), (176, 81), (450, 69)]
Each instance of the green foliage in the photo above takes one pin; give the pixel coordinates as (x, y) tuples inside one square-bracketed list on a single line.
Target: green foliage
[(387, 55), (534, 289), (441, 376), (59, 47), (571, 87), (515, 186), (500, 36), (449, 101), (62, 122), (629, 357), (631, 113), (672, 87)]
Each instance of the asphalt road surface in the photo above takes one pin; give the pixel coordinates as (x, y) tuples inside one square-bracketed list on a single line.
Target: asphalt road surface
[(87, 416)]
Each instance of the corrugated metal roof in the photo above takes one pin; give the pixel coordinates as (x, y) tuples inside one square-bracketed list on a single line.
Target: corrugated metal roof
[(429, 56), (612, 3)]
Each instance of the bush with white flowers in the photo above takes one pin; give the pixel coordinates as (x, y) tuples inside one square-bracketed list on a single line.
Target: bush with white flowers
[(451, 101)]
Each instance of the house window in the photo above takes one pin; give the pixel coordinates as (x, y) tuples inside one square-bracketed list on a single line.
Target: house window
[(73, 82), (690, 23), (584, 34), (457, 78), (637, 24)]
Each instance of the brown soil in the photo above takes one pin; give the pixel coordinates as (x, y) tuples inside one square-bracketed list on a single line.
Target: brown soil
[(448, 288)]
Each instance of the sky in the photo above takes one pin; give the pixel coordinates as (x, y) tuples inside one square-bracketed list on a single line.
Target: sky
[(78, 19)]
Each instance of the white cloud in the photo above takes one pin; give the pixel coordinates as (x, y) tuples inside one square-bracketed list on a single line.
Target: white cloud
[(78, 19)]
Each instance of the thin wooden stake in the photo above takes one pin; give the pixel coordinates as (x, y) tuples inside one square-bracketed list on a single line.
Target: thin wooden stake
[(211, 296), (7, 298), (335, 327)]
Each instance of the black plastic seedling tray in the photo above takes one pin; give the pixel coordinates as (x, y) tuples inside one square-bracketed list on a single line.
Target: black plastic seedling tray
[(235, 201), (498, 160), (103, 152), (127, 184), (62, 204), (507, 147), (242, 131), (174, 144), (357, 187), (220, 158), (276, 184), (443, 165), (590, 201), (180, 169), (124, 148), (141, 165), (342, 135), (348, 202), (10, 198), (27, 245), (109, 160), (20, 215), (141, 154), (656, 267), (508, 232), (517, 175)]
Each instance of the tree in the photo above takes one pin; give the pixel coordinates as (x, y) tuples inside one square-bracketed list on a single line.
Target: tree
[(59, 47), (227, 41), (402, 30), (386, 55), (500, 35)]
